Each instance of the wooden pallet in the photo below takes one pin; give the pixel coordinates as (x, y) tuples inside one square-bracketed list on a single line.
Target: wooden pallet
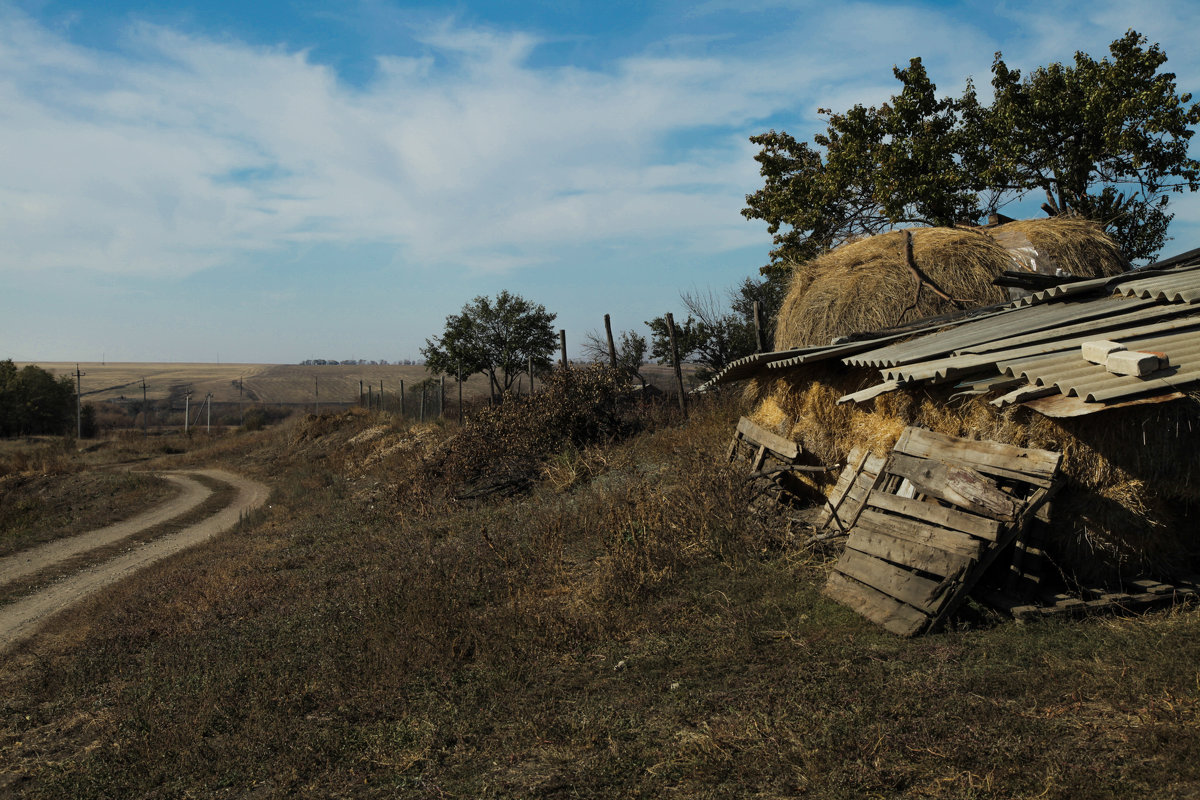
[(764, 443), (939, 513), (846, 501)]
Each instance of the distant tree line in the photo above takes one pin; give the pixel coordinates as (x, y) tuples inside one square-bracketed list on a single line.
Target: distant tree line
[(357, 362), (32, 401)]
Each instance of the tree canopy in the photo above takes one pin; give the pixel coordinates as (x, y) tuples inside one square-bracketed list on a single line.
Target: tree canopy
[(715, 333), (32, 401), (1104, 139), (496, 338)]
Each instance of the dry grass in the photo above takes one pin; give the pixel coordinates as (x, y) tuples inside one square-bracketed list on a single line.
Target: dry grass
[(867, 285), (1129, 506), (636, 635)]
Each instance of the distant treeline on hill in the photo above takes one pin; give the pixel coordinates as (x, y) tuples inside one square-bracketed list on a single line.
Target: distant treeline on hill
[(358, 362)]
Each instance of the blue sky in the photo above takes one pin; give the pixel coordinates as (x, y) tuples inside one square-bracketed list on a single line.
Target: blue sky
[(274, 181)]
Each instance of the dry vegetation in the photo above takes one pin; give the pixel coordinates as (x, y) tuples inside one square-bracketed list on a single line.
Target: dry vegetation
[(618, 626)]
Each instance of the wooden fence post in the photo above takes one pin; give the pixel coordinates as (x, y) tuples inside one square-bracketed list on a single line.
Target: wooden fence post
[(675, 361), (612, 348)]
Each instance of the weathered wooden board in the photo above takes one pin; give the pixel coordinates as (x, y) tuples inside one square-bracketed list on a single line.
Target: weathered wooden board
[(786, 449), (918, 532), (876, 606), (897, 582), (973, 524), (854, 484), (901, 551), (956, 484), (991, 458)]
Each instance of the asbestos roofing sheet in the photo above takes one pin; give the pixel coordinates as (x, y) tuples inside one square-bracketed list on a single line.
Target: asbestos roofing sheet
[(1073, 376), (1062, 290), (1179, 286), (996, 329), (942, 368), (750, 366)]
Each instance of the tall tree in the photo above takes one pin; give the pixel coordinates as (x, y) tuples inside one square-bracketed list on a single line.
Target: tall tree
[(496, 338), (1105, 139), (33, 401)]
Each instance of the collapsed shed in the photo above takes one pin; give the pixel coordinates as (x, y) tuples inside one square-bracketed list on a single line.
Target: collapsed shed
[(1012, 372)]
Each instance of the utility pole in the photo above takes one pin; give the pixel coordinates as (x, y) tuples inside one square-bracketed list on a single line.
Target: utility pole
[(145, 410), (241, 408), (316, 395), (208, 405), (562, 342), (381, 394), (402, 397), (442, 398), (187, 408), (78, 403)]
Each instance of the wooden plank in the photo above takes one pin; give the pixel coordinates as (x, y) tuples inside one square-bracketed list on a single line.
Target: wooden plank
[(918, 532), (956, 484), (860, 481), (784, 448), (901, 551), (733, 447), (973, 524), (759, 459), (854, 463), (991, 458), (905, 586), (875, 605)]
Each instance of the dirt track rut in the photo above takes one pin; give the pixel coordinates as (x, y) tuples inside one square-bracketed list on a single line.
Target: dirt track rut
[(21, 618)]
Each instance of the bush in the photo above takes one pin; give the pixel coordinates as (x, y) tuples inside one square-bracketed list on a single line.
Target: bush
[(502, 450)]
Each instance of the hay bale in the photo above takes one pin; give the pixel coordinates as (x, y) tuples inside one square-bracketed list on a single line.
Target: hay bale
[(867, 285), (1130, 503)]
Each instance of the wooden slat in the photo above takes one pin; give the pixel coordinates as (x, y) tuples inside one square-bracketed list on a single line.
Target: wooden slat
[(992, 458), (875, 605), (882, 544), (959, 485), (784, 448), (946, 517), (893, 581), (918, 532), (857, 479), (854, 463)]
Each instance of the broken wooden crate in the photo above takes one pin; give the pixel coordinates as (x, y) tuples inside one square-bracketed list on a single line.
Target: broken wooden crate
[(935, 518)]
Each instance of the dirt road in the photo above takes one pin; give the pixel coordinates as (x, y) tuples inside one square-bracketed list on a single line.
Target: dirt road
[(21, 618)]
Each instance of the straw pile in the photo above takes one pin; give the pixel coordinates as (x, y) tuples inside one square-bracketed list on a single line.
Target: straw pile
[(1131, 502), (867, 285)]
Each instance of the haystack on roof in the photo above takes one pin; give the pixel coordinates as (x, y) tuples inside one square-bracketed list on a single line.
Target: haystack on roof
[(1016, 373), (872, 283)]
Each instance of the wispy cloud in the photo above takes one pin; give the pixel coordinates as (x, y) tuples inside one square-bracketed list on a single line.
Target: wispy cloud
[(177, 152)]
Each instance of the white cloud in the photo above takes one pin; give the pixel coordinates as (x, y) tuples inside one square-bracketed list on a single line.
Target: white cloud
[(180, 152), (192, 152)]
